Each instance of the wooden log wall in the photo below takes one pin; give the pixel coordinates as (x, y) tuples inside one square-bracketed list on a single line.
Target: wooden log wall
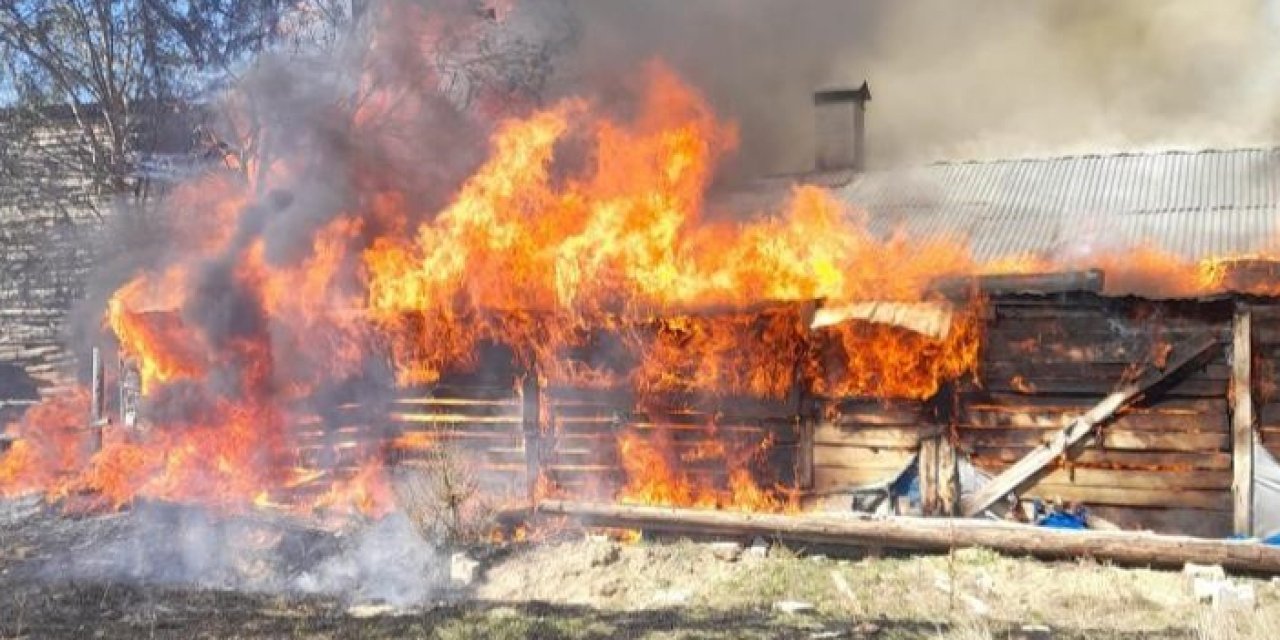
[(859, 441), (581, 453), (1266, 375), (481, 429), (476, 429), (49, 217), (1165, 463)]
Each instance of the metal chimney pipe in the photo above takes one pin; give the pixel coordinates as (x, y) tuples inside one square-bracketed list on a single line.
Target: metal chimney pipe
[(840, 119)]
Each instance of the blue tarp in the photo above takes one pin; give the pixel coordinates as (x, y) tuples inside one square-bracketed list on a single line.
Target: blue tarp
[(1063, 520)]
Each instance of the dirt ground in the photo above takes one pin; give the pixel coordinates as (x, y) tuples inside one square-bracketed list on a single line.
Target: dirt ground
[(59, 577)]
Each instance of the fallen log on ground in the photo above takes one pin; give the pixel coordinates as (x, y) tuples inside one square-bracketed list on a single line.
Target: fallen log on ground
[(931, 534)]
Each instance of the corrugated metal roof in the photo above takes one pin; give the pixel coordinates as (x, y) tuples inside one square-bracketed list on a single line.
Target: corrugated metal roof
[(1190, 204)]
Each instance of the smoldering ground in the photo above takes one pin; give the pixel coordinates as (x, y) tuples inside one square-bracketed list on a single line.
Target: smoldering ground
[(166, 545)]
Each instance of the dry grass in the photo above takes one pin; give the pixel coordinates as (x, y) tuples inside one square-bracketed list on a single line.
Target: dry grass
[(444, 500), (972, 594)]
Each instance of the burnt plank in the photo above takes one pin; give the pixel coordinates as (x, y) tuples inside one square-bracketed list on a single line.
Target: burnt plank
[(999, 401), (1186, 387), (1034, 370), (879, 413)]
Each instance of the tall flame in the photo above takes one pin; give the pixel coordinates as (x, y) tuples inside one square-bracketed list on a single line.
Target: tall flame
[(580, 225)]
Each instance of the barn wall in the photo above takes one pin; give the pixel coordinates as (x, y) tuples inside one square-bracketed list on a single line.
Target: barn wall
[(860, 441), (489, 434), (1163, 464), (1266, 375), (47, 220)]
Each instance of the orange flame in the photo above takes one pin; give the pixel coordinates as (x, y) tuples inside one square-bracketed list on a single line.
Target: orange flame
[(579, 228)]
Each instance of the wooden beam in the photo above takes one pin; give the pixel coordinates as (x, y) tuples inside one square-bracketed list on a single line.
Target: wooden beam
[(927, 466), (531, 421), (1242, 435), (805, 454), (1090, 281), (1081, 427), (932, 534)]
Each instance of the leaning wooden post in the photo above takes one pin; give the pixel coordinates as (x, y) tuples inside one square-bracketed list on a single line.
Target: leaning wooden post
[(1242, 434), (531, 408)]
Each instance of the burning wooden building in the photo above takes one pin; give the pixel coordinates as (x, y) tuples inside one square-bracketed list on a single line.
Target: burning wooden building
[(970, 340)]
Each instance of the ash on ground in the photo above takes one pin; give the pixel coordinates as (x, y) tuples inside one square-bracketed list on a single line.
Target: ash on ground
[(168, 545)]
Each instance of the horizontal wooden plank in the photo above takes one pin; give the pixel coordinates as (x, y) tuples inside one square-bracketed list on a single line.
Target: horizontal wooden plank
[(990, 400), (873, 415), (1098, 387), (1117, 459), (727, 404), (1093, 350), (484, 437), (1131, 478), (860, 457), (893, 437), (477, 392), (474, 421), (974, 418), (1188, 499), (836, 478), (1034, 370), (1112, 439)]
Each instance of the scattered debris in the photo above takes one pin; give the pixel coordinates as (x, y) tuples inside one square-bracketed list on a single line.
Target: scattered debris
[(368, 610), (1204, 589), (842, 586), (976, 606), (793, 607), (672, 597), (462, 569), (759, 548), (604, 554), (827, 635), (1210, 571), (984, 583), (1235, 597), (727, 551), (1034, 632), (866, 628)]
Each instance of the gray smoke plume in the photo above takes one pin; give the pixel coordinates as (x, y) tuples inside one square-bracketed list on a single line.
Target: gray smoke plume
[(959, 80), (179, 546)]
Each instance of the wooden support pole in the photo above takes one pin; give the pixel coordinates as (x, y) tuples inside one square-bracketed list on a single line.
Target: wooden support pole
[(927, 462), (97, 400), (1034, 462), (531, 423), (931, 534), (1242, 433), (948, 477)]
